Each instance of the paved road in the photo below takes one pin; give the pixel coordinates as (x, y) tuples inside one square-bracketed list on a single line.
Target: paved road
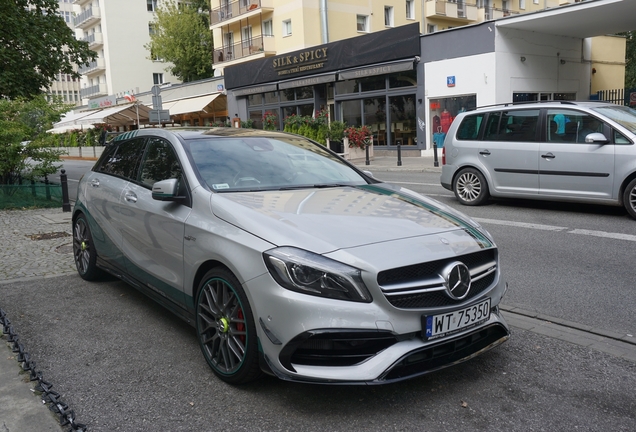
[(123, 363)]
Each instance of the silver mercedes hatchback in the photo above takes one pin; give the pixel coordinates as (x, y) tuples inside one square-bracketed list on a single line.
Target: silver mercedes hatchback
[(557, 150), (287, 259)]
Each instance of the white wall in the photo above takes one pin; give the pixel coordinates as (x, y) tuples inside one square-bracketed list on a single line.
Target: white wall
[(542, 70), (473, 75)]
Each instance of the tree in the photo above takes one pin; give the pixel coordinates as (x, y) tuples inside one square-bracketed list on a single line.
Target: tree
[(181, 35), (630, 56), (25, 147), (35, 46)]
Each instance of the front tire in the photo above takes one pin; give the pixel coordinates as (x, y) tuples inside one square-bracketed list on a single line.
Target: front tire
[(629, 198), (225, 328), (470, 187), (84, 253)]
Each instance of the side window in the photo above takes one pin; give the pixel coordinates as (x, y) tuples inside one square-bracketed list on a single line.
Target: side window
[(469, 128), (514, 126), (160, 162), (619, 138), (125, 158), (571, 126)]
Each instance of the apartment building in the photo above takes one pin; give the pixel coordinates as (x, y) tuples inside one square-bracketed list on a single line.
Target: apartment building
[(65, 86), (250, 29), (117, 31)]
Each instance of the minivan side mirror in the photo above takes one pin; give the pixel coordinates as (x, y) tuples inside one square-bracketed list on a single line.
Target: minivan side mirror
[(596, 138), (166, 190)]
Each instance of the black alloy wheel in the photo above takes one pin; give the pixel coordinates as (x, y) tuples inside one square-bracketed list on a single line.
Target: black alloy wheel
[(84, 252), (470, 187), (225, 328)]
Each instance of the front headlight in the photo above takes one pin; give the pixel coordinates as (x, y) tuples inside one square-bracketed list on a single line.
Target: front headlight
[(309, 273)]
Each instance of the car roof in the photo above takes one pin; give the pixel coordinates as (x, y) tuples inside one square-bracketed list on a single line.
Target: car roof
[(188, 133)]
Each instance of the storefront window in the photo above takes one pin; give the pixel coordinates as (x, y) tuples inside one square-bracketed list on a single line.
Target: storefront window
[(373, 83), (306, 110), (257, 119), (255, 99), (443, 111), (287, 95), (347, 87), (402, 120), (271, 97), (304, 93), (375, 119), (403, 79), (351, 113)]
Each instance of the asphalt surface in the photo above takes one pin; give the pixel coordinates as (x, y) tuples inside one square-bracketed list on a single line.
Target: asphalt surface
[(121, 362)]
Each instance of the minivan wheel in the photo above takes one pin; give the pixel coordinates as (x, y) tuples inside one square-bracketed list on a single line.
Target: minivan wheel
[(470, 187), (629, 198), (226, 329)]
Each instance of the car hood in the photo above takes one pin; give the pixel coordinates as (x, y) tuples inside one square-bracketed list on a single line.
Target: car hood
[(324, 220)]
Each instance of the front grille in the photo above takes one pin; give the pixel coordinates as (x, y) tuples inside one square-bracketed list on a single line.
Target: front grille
[(447, 353), (422, 286)]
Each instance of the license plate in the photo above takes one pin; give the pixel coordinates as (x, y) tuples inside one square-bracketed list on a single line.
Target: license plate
[(436, 326)]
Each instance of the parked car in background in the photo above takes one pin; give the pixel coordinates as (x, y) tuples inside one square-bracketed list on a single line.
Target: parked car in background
[(287, 259), (554, 150)]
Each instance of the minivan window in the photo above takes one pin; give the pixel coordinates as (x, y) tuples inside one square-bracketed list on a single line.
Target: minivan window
[(513, 125), (570, 126), (469, 128)]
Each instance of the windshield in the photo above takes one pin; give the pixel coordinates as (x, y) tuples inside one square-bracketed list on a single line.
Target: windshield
[(229, 164), (622, 115)]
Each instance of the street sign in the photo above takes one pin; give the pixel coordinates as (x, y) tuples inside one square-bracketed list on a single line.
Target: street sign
[(155, 90), (632, 98), (159, 116)]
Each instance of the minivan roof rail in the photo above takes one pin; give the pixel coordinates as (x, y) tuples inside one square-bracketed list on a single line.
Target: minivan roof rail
[(564, 102)]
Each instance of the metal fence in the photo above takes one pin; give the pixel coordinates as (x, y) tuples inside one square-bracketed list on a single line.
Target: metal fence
[(617, 96)]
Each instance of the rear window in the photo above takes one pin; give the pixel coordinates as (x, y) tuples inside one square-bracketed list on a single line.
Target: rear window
[(469, 128)]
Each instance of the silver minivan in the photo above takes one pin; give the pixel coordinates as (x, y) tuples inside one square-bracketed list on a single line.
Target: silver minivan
[(553, 150)]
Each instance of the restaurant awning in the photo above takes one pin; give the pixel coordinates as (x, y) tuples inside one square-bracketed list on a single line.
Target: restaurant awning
[(70, 117), (195, 104), (120, 115), (69, 128)]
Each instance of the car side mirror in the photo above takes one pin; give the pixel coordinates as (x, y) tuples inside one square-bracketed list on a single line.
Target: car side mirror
[(166, 190), (596, 138), (369, 173)]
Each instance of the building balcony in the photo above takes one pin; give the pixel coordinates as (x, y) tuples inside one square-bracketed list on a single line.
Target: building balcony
[(94, 91), (238, 10), (88, 18), (81, 2), (259, 46), (486, 14), (93, 67), (461, 11), (94, 40)]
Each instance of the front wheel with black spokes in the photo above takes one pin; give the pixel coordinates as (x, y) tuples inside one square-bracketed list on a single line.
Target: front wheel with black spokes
[(84, 252), (225, 328)]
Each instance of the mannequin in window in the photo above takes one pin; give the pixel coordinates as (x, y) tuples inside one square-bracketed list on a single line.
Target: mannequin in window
[(445, 120)]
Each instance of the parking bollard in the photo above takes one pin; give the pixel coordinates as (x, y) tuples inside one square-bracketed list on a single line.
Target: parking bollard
[(399, 151), (435, 163), (66, 205)]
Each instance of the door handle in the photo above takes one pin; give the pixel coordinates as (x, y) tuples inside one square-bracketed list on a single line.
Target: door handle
[(548, 156), (484, 153), (130, 197), (95, 183)]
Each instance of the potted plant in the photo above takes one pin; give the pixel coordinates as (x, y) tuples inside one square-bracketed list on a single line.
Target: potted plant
[(359, 137), (270, 121), (336, 135)]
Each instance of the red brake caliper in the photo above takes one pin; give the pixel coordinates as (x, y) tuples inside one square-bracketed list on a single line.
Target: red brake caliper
[(240, 326)]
